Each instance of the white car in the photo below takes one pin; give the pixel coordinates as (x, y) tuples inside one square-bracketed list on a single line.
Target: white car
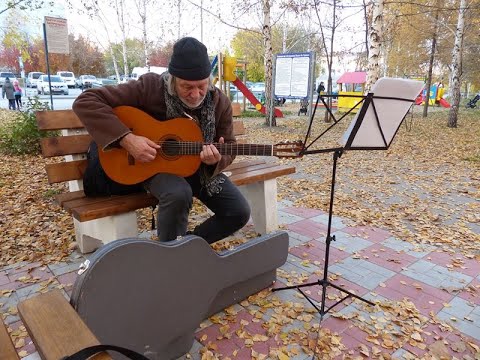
[(68, 77), (4, 75), (32, 78), (58, 85), (86, 81)]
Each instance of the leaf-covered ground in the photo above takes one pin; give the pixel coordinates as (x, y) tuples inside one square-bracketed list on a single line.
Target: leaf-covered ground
[(425, 188)]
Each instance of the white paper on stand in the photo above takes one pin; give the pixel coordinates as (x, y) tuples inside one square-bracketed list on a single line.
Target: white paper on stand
[(390, 113)]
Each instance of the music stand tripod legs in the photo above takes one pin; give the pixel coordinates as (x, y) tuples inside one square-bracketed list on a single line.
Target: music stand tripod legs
[(324, 282)]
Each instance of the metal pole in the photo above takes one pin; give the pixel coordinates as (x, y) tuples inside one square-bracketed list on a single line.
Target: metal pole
[(311, 83), (48, 64), (272, 94), (201, 21)]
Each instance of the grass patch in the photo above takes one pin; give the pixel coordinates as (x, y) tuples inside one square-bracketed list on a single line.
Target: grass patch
[(19, 133)]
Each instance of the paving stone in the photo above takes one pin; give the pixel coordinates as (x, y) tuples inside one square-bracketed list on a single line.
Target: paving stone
[(33, 356), (419, 251), (337, 222), (346, 273), (63, 267), (350, 244), (287, 218), (297, 239), (284, 203), (459, 308), (436, 275), (4, 278), (467, 327), (309, 269), (193, 353)]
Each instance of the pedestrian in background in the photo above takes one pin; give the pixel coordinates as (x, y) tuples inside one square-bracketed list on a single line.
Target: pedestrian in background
[(18, 94), (9, 91)]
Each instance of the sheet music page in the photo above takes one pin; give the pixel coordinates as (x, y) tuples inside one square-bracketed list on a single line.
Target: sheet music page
[(390, 113)]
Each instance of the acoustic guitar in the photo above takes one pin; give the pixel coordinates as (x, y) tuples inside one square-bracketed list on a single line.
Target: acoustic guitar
[(181, 142)]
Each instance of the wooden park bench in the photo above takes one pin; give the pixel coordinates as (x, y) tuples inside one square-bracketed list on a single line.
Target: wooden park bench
[(99, 220), (54, 327)]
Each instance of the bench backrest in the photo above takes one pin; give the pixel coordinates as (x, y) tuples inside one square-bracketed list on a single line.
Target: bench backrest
[(73, 144)]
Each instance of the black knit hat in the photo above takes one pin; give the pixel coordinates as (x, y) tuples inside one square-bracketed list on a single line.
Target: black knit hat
[(189, 60)]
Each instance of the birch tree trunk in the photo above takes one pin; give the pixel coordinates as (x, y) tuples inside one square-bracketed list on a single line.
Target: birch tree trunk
[(457, 66), (432, 58), (328, 53), (267, 42), (120, 9), (142, 13), (328, 116), (376, 35)]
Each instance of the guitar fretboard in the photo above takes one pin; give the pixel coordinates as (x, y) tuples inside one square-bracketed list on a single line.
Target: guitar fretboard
[(194, 148)]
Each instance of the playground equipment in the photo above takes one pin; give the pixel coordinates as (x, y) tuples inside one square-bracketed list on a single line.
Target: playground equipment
[(435, 97), (351, 84), (224, 68)]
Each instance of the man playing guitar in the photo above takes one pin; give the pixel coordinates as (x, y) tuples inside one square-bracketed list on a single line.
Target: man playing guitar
[(186, 90)]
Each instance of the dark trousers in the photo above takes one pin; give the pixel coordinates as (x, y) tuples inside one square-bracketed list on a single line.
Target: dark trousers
[(18, 100), (175, 196), (11, 104)]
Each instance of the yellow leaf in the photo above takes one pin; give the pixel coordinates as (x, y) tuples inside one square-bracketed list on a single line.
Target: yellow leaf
[(416, 336)]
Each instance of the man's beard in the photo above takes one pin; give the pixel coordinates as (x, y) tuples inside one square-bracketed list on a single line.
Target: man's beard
[(190, 106)]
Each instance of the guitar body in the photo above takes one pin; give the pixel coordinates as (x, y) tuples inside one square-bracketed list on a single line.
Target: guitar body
[(122, 167)]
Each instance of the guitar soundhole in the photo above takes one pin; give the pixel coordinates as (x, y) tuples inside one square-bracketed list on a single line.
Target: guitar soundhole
[(170, 148)]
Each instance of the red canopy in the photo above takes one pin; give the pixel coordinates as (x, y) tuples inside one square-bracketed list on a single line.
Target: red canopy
[(356, 77)]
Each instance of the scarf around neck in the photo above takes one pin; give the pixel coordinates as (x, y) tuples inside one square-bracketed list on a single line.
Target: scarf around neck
[(175, 108)]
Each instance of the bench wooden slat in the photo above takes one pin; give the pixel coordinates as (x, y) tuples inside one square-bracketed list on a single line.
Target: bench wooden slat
[(109, 206), (65, 171), (55, 327), (246, 169), (65, 145), (243, 163), (60, 199), (90, 201), (57, 120), (262, 174), (7, 349)]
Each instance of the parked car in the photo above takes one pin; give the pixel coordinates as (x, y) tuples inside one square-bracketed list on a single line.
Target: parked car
[(258, 89), (68, 77), (86, 81), (4, 75), (58, 85), (32, 78)]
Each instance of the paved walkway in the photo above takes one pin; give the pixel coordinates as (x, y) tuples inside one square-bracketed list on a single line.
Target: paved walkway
[(427, 300)]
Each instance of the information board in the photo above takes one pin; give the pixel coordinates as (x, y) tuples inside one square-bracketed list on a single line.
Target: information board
[(57, 35), (292, 75)]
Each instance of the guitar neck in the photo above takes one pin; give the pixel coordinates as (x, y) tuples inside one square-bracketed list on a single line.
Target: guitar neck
[(194, 148)]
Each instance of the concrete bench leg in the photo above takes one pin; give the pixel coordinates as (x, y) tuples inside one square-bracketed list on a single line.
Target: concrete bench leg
[(262, 197), (92, 234)]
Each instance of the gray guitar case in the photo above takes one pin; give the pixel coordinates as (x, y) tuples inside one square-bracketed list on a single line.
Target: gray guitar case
[(150, 297)]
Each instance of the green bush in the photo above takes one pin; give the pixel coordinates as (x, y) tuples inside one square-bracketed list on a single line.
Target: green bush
[(19, 134)]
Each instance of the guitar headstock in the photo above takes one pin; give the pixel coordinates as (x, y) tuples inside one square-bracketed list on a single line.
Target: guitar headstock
[(288, 149)]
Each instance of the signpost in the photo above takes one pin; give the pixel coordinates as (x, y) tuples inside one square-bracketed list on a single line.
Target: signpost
[(55, 34), (294, 74)]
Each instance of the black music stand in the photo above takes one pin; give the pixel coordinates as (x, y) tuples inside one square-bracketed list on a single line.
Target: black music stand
[(366, 132)]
